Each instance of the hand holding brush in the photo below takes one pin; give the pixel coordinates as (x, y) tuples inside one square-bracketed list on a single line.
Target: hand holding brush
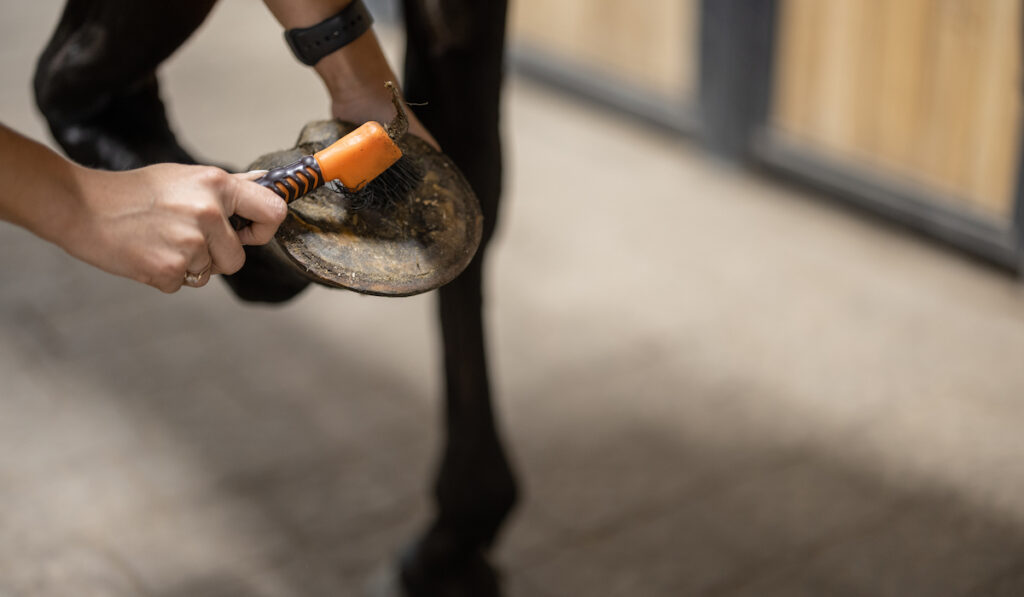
[(366, 165)]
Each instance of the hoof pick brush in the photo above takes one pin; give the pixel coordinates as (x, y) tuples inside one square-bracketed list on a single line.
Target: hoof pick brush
[(365, 166)]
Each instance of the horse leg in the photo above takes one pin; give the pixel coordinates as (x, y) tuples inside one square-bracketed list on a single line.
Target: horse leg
[(96, 85), (454, 63)]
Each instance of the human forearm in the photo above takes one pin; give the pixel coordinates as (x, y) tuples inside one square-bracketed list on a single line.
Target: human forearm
[(159, 225), (41, 188), (303, 13), (358, 69), (354, 75)]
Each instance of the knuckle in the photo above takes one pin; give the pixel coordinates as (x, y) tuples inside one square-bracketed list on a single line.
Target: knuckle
[(212, 177), (172, 268), (165, 273)]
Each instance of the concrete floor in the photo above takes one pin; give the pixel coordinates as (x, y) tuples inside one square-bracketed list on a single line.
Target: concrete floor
[(712, 384)]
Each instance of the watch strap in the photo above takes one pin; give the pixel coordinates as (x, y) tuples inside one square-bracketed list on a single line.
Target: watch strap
[(311, 44)]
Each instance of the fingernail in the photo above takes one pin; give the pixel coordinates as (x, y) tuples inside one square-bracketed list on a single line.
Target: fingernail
[(256, 172)]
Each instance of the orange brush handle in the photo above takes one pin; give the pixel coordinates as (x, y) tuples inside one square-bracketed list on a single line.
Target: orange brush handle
[(355, 160), (359, 157)]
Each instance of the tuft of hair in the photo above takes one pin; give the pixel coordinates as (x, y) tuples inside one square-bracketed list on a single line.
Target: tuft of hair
[(392, 186)]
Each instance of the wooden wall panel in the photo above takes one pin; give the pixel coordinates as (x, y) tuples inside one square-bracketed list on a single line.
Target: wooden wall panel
[(650, 44), (927, 89)]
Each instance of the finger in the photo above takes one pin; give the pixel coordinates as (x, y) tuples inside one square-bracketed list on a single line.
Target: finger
[(226, 254), (205, 277), (165, 284), (261, 206), (199, 260), (166, 273), (196, 280), (199, 269)]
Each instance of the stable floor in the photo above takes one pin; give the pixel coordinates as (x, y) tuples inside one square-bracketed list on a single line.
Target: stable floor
[(711, 383)]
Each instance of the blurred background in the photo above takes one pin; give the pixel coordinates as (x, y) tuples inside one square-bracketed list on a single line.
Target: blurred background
[(754, 314)]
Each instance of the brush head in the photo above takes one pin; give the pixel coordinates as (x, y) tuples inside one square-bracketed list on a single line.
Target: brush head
[(368, 163), (397, 181), (394, 184)]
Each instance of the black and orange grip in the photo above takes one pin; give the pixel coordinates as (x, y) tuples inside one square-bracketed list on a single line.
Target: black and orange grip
[(289, 182), (354, 160)]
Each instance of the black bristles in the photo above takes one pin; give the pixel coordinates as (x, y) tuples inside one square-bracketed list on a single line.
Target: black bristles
[(393, 185)]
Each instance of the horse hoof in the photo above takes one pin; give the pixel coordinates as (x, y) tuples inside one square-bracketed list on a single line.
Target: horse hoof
[(412, 243)]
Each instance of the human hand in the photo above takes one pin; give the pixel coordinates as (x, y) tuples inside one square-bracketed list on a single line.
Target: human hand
[(355, 76), (365, 102), (162, 223)]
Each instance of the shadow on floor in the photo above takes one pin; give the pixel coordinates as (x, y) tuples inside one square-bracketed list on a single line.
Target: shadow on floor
[(273, 460)]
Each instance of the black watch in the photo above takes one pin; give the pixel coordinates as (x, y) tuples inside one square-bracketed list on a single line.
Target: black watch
[(310, 44)]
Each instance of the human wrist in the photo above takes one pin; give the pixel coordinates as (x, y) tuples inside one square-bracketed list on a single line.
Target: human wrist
[(351, 64), (354, 74), (70, 213), (357, 72), (57, 212)]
